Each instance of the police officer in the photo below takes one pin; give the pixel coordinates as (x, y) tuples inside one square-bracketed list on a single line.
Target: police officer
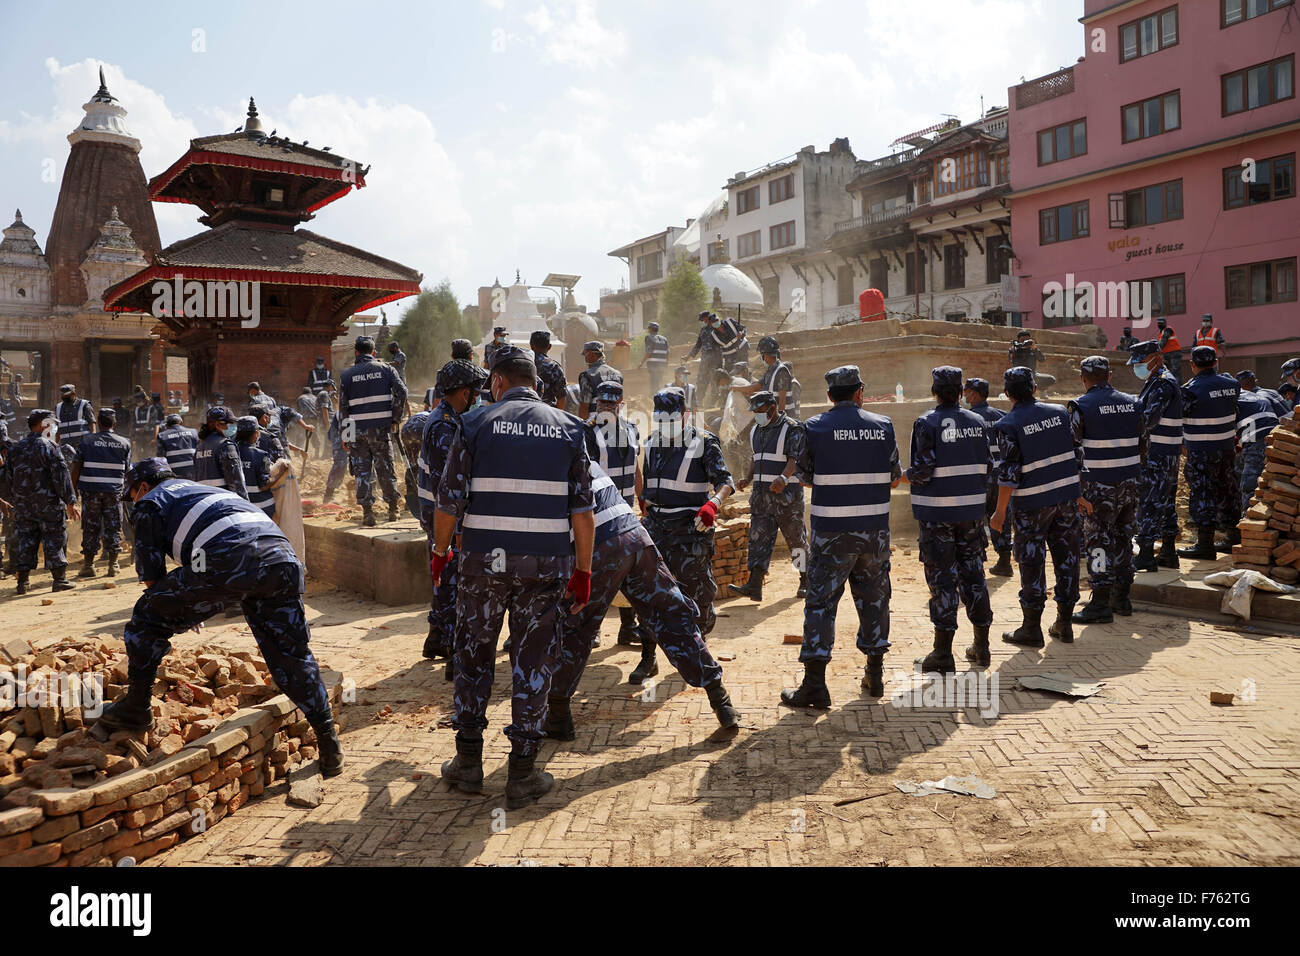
[(318, 375), (1209, 335), (144, 426), (778, 377), (1170, 349), (851, 460), (39, 487), (257, 397), (176, 444), (682, 381), (270, 436), (228, 552), (307, 406), (216, 460), (500, 339), (1127, 340), (1108, 423), (777, 442), (518, 482), (948, 476), (1259, 415), (685, 484), (371, 401), (655, 359), (1288, 393), (255, 464), (710, 353), (551, 383), (97, 473), (1290, 380), (596, 372), (624, 558), (1162, 421), (459, 382), (1038, 464), (976, 394), (410, 435), (615, 444), (76, 419), (733, 346), (1210, 418), (397, 359), (1248, 382)]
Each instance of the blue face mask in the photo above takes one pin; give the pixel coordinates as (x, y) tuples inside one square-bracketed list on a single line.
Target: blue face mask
[(762, 418), (1142, 372)]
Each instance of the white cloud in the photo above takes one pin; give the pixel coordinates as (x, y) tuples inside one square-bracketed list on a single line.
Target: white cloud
[(574, 35)]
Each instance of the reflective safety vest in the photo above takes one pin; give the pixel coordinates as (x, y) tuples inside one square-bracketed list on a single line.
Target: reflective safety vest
[(1112, 429), (222, 524), (177, 445), (852, 452), (1166, 438), (1210, 420), (1171, 345), (1210, 338), (431, 460), (957, 490), (617, 447), (656, 351), (207, 469), (991, 416), (257, 476), (794, 394), (675, 480), (730, 336), (614, 515), (593, 377), (768, 444), (1257, 417), (1049, 468), (104, 458), (74, 421), (522, 452), (366, 394)]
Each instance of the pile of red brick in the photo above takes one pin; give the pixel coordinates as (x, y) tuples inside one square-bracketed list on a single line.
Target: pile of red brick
[(1270, 531)]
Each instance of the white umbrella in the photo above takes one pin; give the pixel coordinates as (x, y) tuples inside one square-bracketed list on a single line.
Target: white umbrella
[(734, 286)]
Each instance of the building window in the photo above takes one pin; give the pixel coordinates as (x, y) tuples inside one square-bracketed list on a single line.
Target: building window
[(997, 259), (716, 252), (1272, 179), (772, 292), (1258, 86), (1063, 308), (1160, 114), (1148, 35), (1167, 295), (954, 266), (1162, 202), (1261, 283), (1062, 142), (1063, 223), (782, 235), (1002, 169), (650, 267), (844, 285), (1236, 11), (750, 244), (954, 174), (746, 200), (880, 276), (779, 190), (914, 275)]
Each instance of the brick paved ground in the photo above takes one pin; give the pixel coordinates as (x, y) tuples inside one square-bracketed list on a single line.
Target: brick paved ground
[(1147, 772)]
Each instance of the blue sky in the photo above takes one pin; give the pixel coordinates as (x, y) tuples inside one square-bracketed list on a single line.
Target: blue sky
[(509, 135)]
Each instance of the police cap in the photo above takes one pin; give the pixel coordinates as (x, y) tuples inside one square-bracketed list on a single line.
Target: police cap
[(760, 399), (594, 346), (945, 375), (500, 330), (460, 374), (508, 353), (246, 425), (1245, 375), (977, 385), (67, 389), (1203, 356), (38, 415), (1017, 376), (670, 400), (768, 345), (609, 392), (1139, 353), (108, 415), (218, 413), (846, 376), (653, 326), (1290, 367), (151, 470), (1095, 364), (174, 419)]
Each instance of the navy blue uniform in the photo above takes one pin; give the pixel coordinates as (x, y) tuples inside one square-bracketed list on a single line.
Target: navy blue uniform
[(176, 445), (104, 458), (616, 446), (37, 483), (217, 464), (707, 348), (1108, 424), (76, 421), (1001, 540), (551, 383), (411, 434), (1258, 416), (371, 400), (773, 446), (1210, 416), (590, 379), (440, 430), (1162, 420), (656, 360), (256, 465)]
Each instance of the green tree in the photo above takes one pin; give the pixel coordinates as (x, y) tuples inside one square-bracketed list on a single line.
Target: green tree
[(681, 299), (426, 330)]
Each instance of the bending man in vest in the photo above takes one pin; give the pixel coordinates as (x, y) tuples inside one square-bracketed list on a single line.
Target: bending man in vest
[(976, 393), (517, 482), (1210, 418), (686, 483), (777, 442), (1038, 464), (1108, 423), (372, 399), (1260, 411), (228, 552), (851, 459), (1162, 420), (624, 558), (948, 476), (98, 472)]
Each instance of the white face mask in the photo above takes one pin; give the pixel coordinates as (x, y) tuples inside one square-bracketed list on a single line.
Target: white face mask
[(1142, 372), (762, 418), (668, 423)]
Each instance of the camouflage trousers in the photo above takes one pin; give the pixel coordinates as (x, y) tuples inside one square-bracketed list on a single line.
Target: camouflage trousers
[(769, 513), (35, 531), (860, 559), (953, 555), (1055, 528), (1157, 488), (101, 521), (630, 562), (372, 453), (1214, 495), (1108, 531), (442, 609), (184, 599), (482, 600), (1249, 466), (338, 465), (689, 556), (1001, 540), (412, 487)]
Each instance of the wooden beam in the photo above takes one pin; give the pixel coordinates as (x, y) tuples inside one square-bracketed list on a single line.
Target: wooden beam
[(976, 237), (898, 258)]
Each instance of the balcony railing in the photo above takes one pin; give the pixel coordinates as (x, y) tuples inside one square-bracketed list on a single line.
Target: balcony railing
[(875, 218), (1045, 88)]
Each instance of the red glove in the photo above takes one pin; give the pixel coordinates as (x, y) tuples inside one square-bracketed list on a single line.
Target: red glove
[(641, 502), (579, 588), (438, 564), (707, 514)]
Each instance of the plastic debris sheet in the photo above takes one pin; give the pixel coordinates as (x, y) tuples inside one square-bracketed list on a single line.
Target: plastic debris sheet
[(1242, 584), (1058, 683), (967, 786)]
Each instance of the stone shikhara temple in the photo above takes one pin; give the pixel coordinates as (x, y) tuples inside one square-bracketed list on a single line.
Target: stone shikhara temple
[(260, 298)]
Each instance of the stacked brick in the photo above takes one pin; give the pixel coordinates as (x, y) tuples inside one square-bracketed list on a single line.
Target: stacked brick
[(730, 551), (1270, 530)]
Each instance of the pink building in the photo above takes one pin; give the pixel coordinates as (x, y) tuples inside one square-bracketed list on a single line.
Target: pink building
[(1165, 160)]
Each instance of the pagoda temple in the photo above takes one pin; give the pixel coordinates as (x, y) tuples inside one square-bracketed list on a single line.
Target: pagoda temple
[(254, 190)]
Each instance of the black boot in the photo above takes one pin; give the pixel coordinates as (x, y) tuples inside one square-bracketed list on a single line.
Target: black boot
[(433, 646), (752, 589), (1146, 557), (648, 666), (559, 719), (939, 660), (465, 771), (978, 653), (392, 511), (1204, 548), (1062, 628), (112, 563), (1098, 609), (22, 578), (803, 585), (367, 516), (1003, 568), (1030, 631), (133, 711), (449, 672), (524, 782), (628, 634), (812, 692), (720, 701), (1168, 556), (1231, 538), (873, 677), (1119, 599), (87, 567), (329, 747), (61, 582)]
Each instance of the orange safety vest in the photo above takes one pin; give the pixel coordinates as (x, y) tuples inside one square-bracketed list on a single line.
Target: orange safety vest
[(1209, 338), (1172, 345)]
